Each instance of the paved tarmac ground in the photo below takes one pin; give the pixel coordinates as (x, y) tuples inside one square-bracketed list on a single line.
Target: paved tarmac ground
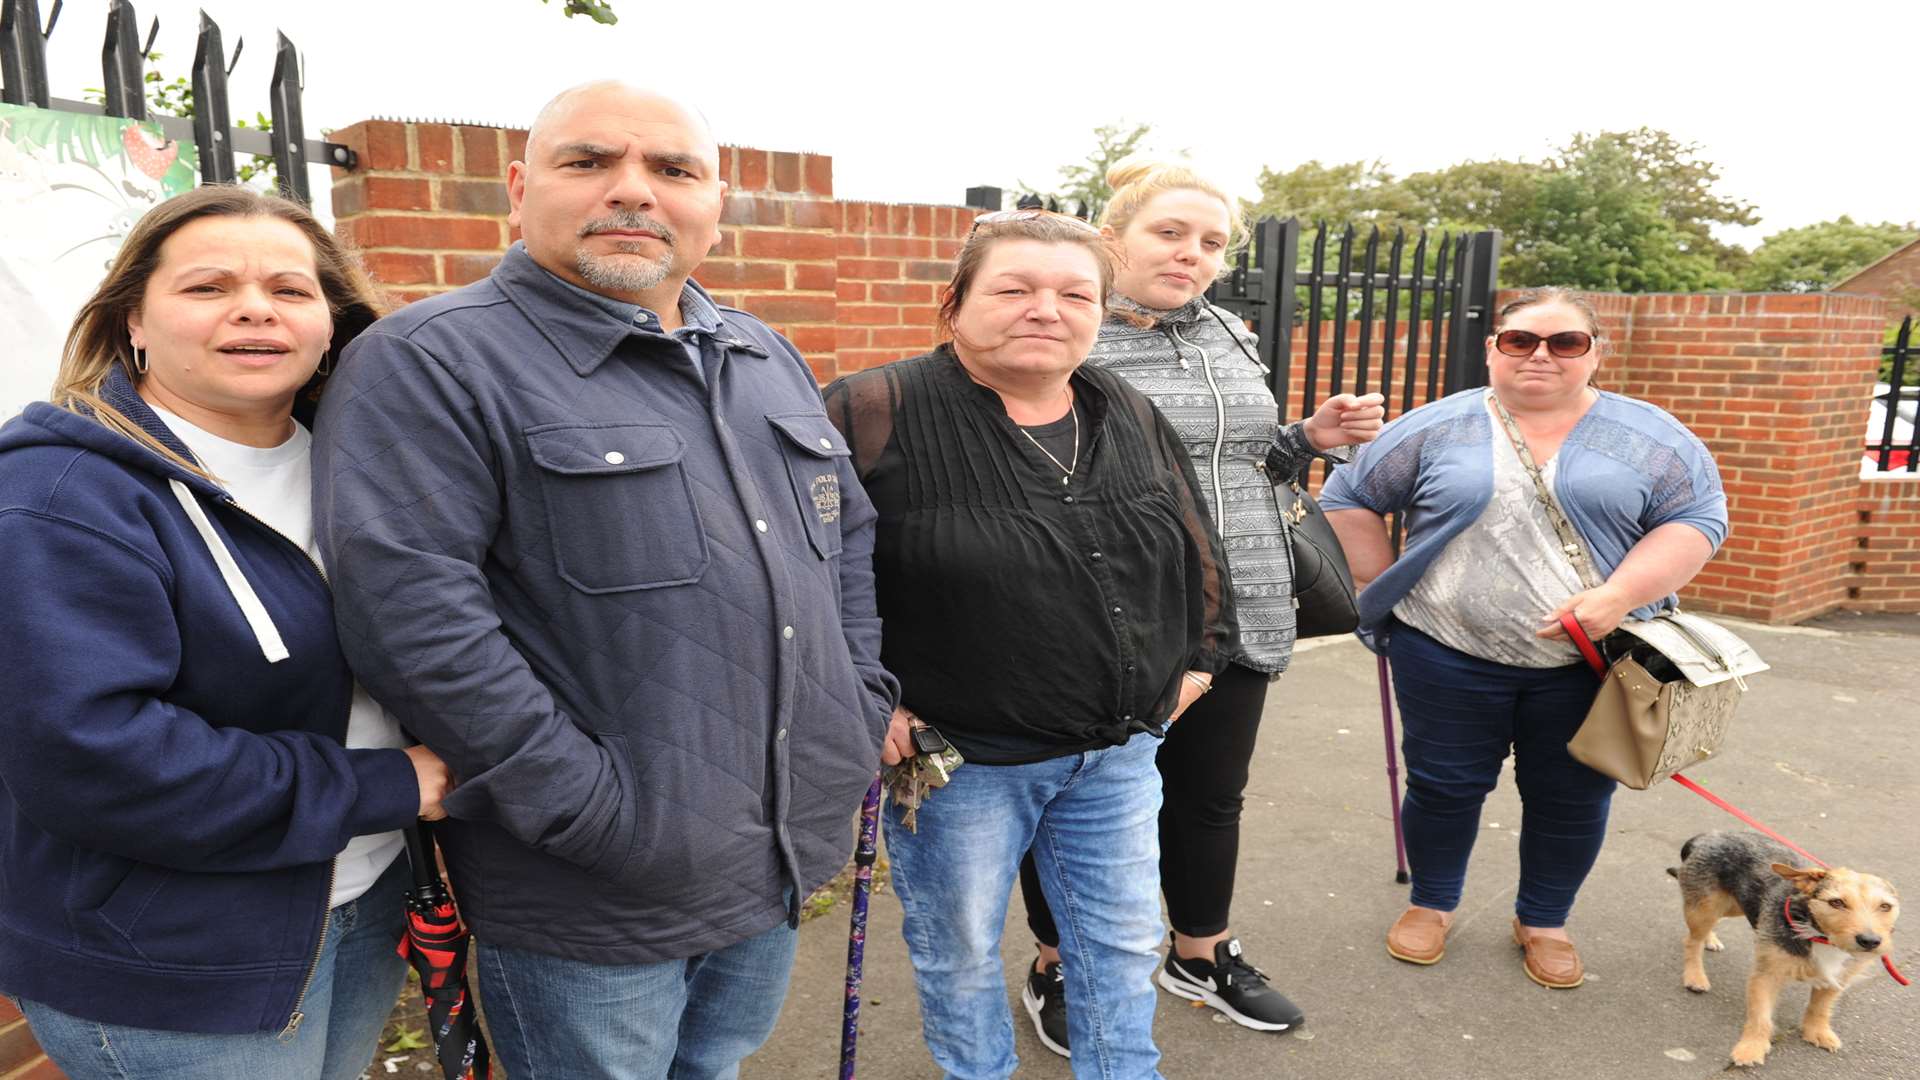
[(1824, 750)]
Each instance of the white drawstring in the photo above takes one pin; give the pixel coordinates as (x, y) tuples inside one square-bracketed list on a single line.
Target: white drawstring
[(250, 606)]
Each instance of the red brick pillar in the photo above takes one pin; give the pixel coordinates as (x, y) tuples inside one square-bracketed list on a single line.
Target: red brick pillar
[(1777, 387), (428, 205)]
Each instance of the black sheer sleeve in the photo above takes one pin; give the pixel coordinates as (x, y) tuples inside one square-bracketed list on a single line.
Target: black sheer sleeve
[(1218, 627)]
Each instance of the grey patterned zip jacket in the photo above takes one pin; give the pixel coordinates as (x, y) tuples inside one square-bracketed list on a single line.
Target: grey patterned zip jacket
[(1216, 397)]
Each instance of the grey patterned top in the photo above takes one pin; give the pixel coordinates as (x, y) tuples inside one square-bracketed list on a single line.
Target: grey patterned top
[(1488, 589), (1216, 397)]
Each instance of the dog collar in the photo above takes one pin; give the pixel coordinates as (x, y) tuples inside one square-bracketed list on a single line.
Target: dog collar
[(1807, 934)]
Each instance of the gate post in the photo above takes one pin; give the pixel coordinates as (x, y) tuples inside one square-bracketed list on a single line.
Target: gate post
[(1473, 312)]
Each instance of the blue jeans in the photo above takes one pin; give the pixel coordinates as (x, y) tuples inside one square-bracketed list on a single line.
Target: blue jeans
[(1091, 820), (692, 1019), (353, 991), (1462, 714)]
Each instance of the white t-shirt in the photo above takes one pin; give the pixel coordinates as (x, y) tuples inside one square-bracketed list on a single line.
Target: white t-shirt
[(275, 485)]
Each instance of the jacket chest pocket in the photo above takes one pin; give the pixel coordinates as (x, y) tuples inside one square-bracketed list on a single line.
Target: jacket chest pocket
[(620, 506), (813, 448)]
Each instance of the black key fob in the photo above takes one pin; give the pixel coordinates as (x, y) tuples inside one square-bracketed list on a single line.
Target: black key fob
[(926, 740)]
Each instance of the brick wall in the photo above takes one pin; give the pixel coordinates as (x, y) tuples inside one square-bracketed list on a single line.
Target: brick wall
[(1885, 562), (20, 1056), (893, 259)]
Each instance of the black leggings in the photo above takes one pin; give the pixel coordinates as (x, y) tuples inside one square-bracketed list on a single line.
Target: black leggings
[(1203, 773)]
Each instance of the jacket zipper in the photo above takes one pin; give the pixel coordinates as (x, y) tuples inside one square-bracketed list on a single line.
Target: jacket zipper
[(333, 866), (1219, 431)]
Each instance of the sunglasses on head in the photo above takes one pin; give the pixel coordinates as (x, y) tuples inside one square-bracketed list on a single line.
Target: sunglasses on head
[(1566, 345), (1032, 213)]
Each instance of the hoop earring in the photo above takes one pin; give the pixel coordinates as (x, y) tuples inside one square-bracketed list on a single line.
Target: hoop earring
[(326, 363), (139, 360)]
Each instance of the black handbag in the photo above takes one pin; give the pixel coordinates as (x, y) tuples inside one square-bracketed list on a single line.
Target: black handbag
[(1323, 600)]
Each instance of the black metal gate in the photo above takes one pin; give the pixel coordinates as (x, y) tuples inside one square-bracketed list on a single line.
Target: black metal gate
[(23, 66), (1427, 313)]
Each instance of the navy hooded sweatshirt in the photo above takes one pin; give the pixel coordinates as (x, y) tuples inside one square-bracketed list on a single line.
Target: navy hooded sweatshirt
[(171, 799)]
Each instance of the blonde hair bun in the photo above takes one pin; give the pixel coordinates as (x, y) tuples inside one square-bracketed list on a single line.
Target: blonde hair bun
[(1135, 168)]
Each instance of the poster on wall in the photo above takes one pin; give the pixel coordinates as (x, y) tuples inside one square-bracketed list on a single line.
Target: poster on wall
[(71, 187)]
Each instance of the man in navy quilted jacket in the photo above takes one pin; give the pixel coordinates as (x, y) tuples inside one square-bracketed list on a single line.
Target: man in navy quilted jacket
[(595, 543)]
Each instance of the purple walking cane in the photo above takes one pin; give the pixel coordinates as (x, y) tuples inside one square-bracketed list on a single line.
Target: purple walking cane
[(1393, 775), (863, 859)]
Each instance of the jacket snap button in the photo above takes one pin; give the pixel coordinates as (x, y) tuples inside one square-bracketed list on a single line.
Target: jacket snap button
[(787, 632), (615, 457), (826, 444), (760, 524)]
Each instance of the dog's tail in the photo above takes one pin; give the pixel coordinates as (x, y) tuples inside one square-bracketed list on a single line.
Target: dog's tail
[(1686, 852)]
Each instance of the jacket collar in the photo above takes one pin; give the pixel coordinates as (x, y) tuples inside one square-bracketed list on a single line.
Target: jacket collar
[(585, 327), (1126, 310)]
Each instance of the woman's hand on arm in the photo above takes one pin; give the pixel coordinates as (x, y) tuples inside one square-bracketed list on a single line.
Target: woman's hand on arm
[(1363, 536), (1663, 561), (1345, 420)]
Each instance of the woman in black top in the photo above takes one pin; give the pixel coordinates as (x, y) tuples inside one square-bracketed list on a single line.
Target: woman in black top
[(1053, 596)]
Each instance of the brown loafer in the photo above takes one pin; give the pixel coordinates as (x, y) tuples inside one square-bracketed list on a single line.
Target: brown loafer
[(1550, 962), (1418, 936)]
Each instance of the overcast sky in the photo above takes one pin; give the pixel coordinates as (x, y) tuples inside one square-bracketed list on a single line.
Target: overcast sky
[(1801, 109)]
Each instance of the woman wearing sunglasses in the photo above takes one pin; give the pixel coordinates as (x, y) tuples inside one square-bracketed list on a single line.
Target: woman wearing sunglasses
[(1468, 615), (1172, 229), (1053, 596)]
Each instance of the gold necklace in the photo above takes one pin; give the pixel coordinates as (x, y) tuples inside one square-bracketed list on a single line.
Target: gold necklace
[(1075, 462)]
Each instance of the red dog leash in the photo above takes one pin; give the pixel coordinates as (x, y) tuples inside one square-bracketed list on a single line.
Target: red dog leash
[(1584, 643)]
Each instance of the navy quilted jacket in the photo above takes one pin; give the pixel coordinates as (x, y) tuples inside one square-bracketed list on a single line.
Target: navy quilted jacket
[(631, 606)]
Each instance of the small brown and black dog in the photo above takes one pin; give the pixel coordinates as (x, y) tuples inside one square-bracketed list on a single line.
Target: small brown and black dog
[(1819, 926)]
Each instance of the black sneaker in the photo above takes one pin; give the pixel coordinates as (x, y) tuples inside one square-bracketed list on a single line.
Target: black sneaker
[(1231, 985), (1045, 997)]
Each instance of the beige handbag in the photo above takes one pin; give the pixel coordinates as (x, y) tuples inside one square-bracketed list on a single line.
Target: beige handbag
[(1667, 699)]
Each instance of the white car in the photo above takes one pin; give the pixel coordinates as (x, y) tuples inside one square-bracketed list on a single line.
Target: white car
[(1903, 421)]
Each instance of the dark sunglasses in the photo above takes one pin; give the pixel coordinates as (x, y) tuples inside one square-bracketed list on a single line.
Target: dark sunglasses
[(1033, 213), (1567, 344)]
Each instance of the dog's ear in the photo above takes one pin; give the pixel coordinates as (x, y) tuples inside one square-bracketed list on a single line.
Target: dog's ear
[(1804, 878)]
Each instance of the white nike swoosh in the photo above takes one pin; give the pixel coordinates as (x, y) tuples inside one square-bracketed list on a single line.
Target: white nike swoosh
[(1187, 975)]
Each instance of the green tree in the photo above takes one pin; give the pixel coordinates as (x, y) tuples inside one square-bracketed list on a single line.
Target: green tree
[(1356, 191), (1670, 172), (1630, 211), (1083, 187), (1816, 257)]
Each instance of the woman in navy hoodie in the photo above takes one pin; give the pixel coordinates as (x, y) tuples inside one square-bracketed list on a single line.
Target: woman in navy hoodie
[(198, 807)]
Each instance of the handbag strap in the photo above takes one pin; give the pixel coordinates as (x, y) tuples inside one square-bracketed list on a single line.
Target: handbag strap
[(1570, 544), (1584, 643)]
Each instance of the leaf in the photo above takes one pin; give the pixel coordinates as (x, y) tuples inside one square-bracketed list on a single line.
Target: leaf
[(409, 1039)]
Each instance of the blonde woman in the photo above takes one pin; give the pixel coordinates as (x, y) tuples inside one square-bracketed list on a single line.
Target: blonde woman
[(1172, 229), (198, 808)]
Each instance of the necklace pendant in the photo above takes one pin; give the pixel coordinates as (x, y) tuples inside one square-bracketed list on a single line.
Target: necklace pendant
[(1065, 480)]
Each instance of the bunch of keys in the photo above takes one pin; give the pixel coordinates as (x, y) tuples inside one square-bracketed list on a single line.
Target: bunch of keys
[(930, 767)]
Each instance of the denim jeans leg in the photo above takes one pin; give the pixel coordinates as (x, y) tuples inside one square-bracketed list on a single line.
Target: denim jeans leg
[(733, 999), (1456, 715), (560, 1019), (1098, 856), (352, 992), (1564, 804), (368, 973), (953, 875)]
